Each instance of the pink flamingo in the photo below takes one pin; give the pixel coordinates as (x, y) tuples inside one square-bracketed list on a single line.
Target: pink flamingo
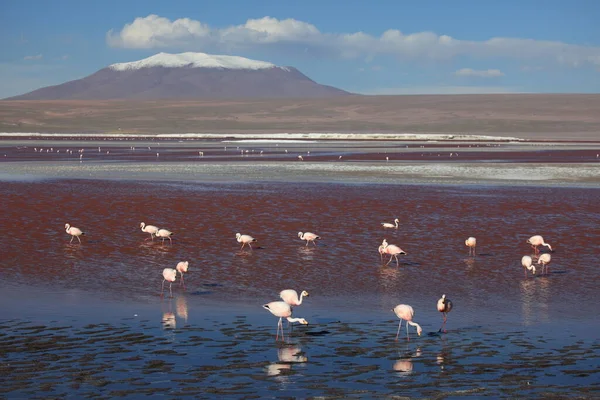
[(151, 229), (536, 241), (527, 262), (282, 310), (244, 240), (74, 232), (164, 234), (444, 306), (182, 267), (544, 259), (290, 296), (169, 275), (392, 250), (406, 312), (309, 237), (387, 225), (471, 243)]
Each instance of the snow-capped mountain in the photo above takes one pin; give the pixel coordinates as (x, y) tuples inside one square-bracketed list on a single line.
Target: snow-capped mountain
[(187, 76), (194, 60)]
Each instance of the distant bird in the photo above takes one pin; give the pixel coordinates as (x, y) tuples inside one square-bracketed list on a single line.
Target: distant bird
[(544, 259), (471, 243), (300, 158), (290, 296), (406, 313), (444, 306), (282, 310), (392, 250), (388, 225), (527, 263), (244, 240), (169, 275), (182, 267), (151, 229), (74, 232), (309, 237), (536, 241), (164, 234)]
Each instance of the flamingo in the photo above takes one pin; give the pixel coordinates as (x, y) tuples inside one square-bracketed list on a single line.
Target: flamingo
[(444, 306), (527, 262), (392, 250), (74, 232), (151, 229), (544, 259), (406, 312), (309, 237), (536, 241), (244, 240), (182, 267), (164, 233), (388, 225), (471, 243), (169, 274), (282, 310), (290, 296)]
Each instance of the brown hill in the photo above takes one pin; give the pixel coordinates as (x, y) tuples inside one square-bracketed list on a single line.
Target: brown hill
[(187, 76)]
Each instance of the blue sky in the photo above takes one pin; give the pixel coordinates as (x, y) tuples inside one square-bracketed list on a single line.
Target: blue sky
[(376, 47)]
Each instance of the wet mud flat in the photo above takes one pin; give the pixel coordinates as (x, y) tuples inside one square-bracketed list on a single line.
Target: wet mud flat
[(71, 325), (213, 358)]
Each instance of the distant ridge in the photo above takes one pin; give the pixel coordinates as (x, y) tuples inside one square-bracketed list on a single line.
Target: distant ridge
[(187, 76)]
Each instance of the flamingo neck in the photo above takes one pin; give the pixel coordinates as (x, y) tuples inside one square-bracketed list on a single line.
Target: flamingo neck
[(300, 300), (413, 324), (290, 319)]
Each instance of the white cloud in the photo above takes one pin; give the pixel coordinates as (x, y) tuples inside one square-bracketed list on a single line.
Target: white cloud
[(487, 73), (154, 31), (36, 57), (442, 89)]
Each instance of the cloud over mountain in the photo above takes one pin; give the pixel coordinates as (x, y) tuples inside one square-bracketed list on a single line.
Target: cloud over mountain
[(488, 73), (154, 31)]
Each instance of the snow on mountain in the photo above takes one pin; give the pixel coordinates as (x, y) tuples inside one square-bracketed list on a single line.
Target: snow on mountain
[(195, 60)]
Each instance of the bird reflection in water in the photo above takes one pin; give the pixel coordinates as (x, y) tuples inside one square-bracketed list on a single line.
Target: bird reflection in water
[(287, 356), (306, 253), (470, 263), (169, 321), (535, 295), (389, 278), (404, 366), (181, 308)]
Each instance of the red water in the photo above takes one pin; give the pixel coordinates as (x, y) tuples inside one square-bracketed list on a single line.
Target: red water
[(342, 272)]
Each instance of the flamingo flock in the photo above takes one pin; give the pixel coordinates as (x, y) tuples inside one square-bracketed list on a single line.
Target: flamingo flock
[(290, 298)]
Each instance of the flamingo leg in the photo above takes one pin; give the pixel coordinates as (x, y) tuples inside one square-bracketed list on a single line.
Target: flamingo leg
[(314, 243), (162, 289), (243, 244), (182, 282), (170, 240), (249, 245), (442, 329), (79, 239), (279, 327), (171, 291), (397, 333), (407, 335), (397, 262), (72, 237)]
